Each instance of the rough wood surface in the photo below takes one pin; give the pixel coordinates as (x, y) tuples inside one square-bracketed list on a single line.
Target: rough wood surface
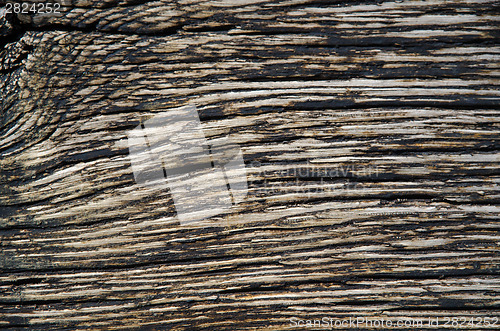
[(397, 100)]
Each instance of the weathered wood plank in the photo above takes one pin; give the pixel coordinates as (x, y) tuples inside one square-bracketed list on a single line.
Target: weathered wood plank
[(370, 133)]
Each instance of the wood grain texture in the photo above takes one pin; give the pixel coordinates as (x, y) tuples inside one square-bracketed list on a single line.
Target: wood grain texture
[(370, 132)]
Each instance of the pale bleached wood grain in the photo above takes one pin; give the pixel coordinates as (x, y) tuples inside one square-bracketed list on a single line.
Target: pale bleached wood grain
[(398, 99)]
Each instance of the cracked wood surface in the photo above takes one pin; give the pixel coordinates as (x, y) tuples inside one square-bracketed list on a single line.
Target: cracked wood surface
[(370, 132)]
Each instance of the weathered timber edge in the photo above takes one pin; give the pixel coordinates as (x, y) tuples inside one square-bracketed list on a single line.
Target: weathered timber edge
[(398, 100)]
